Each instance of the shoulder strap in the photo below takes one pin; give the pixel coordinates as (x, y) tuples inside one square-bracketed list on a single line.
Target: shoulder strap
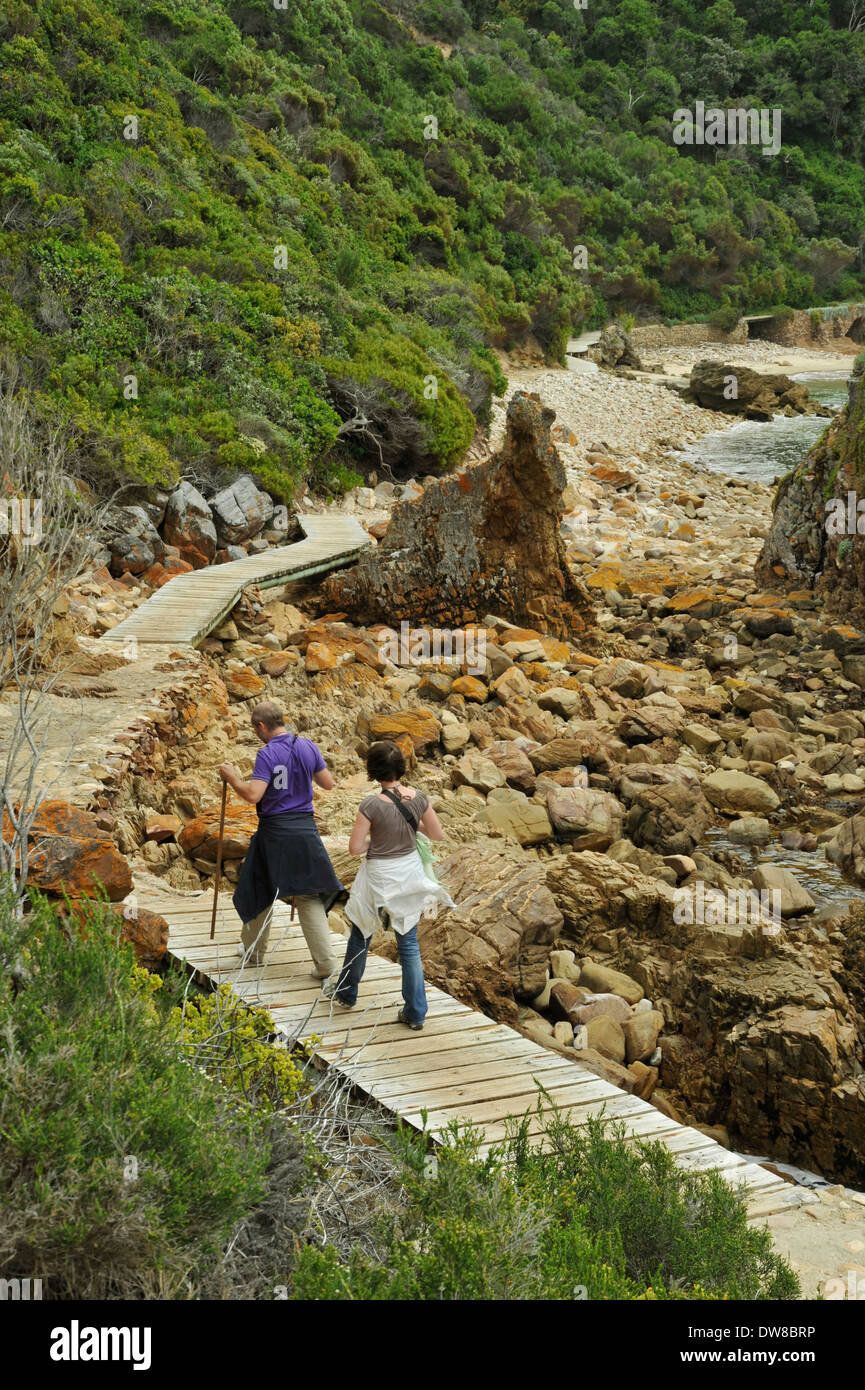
[(403, 809)]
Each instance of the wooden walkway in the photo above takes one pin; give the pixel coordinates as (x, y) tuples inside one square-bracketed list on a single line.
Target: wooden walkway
[(463, 1065), (191, 605)]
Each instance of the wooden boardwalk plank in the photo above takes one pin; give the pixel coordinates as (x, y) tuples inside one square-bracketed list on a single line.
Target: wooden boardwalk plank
[(463, 1066), (191, 605)]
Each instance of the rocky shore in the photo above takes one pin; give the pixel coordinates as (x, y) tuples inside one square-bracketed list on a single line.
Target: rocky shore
[(647, 729)]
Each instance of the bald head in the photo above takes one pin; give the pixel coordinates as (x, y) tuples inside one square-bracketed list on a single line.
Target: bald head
[(269, 714)]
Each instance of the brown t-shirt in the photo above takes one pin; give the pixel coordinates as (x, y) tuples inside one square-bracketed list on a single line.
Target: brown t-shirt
[(390, 834)]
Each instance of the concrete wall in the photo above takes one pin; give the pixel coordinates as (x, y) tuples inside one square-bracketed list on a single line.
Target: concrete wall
[(656, 335)]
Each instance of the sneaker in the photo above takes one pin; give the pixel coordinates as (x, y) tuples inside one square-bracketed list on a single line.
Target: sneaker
[(322, 974), (251, 957), (401, 1018)]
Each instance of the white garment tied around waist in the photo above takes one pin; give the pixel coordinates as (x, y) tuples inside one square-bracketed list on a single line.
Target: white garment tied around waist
[(398, 885)]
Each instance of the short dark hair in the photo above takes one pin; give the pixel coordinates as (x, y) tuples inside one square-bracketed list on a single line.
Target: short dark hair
[(385, 762), (269, 714)]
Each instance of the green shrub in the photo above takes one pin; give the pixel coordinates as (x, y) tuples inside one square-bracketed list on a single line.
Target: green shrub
[(726, 317), (123, 1167), (590, 1218)]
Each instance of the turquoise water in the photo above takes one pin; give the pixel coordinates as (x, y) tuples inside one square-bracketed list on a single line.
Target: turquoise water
[(766, 451)]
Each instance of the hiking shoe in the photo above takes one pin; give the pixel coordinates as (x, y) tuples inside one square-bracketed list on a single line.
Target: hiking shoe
[(401, 1018)]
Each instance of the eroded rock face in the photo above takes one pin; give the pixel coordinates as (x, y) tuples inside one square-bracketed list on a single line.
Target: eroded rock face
[(814, 535), (495, 945), (484, 540), (781, 1047)]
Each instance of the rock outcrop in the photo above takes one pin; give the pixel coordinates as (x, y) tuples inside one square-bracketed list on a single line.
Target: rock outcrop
[(486, 540), (615, 348), (756, 395), (495, 945), (818, 524)]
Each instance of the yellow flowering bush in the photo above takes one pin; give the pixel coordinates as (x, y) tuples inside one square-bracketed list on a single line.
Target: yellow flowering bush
[(241, 1046)]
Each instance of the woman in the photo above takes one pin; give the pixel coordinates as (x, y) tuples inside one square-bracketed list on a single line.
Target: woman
[(286, 858), (391, 887)]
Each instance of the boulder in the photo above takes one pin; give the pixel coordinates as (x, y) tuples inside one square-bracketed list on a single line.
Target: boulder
[(134, 541), (513, 814), (189, 526), (422, 728), (68, 852), (605, 980), (595, 894), (564, 999), (563, 965), (161, 828), (847, 848), (484, 540), (641, 1034), (757, 395), (598, 1005), (242, 683), (668, 820), (606, 1036), (563, 752), (592, 819), (652, 720), (240, 511), (562, 701), (511, 684), (514, 765), (148, 934), (795, 899), (750, 830), (615, 348), (476, 770), (199, 837), (471, 688), (494, 946), (737, 791)]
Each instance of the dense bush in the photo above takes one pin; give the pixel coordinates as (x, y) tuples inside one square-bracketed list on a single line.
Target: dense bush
[(201, 204), (124, 1166), (588, 1218)]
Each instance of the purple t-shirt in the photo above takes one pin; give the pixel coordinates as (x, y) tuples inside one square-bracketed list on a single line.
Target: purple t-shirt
[(287, 764)]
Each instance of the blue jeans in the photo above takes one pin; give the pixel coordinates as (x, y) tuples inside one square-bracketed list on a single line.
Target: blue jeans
[(353, 966)]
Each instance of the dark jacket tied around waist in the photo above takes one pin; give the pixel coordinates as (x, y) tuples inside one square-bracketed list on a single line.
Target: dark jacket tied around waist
[(285, 858)]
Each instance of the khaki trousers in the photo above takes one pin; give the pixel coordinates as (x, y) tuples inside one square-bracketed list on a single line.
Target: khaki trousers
[(313, 924)]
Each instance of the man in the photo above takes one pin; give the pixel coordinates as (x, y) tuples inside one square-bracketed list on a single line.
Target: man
[(286, 857)]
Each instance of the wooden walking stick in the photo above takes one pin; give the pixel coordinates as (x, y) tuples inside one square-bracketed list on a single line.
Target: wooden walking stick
[(218, 858)]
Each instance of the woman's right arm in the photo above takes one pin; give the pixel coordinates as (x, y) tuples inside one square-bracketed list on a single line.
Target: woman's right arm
[(358, 840), (430, 825)]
